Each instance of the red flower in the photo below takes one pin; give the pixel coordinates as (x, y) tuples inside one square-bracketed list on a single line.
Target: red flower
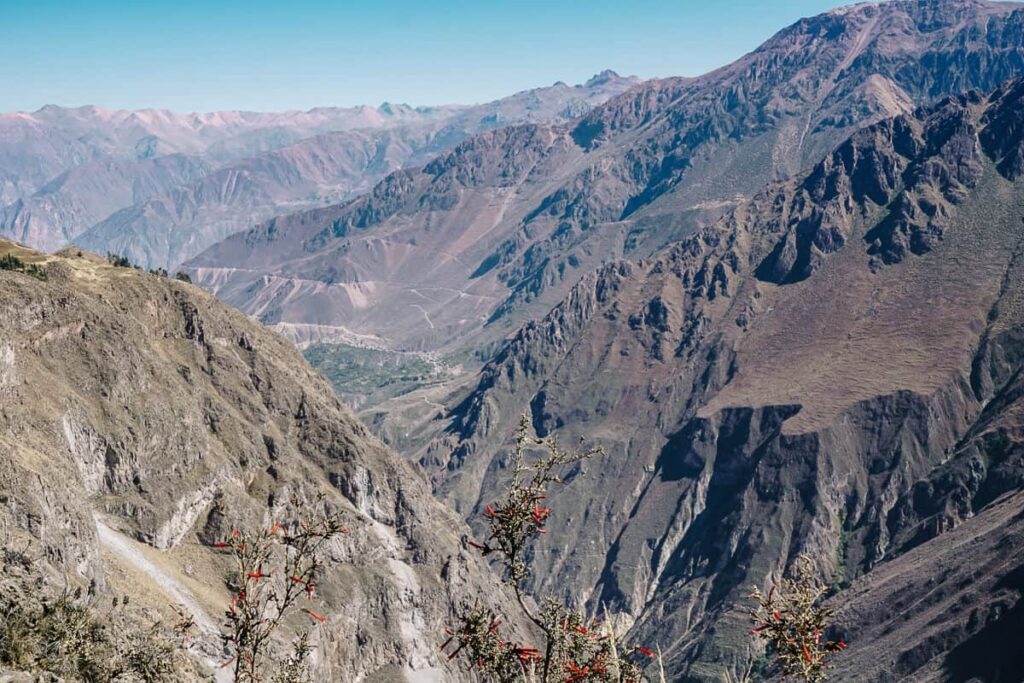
[(807, 654), (319, 617), (527, 653), (539, 513), (576, 673), (645, 651), (778, 617), (489, 512)]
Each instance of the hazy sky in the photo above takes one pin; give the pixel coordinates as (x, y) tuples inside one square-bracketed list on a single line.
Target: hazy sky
[(201, 55)]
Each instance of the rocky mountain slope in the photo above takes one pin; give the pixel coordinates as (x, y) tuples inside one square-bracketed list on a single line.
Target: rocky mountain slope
[(833, 368), (140, 420), (457, 254), (254, 166)]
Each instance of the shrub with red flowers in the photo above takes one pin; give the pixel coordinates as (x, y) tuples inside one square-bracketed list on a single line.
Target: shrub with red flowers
[(575, 649), (276, 575), (791, 620)]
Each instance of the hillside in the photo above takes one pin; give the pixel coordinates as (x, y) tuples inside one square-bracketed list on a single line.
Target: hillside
[(455, 255), (832, 368), (140, 420), (85, 194)]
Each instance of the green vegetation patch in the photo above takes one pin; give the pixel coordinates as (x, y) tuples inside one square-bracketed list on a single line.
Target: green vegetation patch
[(372, 375)]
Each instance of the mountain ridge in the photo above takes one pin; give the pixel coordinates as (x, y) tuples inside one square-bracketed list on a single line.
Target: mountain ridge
[(636, 173), (836, 358), (285, 161)]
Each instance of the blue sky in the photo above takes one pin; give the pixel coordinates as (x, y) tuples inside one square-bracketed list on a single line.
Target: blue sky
[(202, 55)]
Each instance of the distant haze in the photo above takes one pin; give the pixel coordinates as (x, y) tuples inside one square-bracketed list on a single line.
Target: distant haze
[(198, 55)]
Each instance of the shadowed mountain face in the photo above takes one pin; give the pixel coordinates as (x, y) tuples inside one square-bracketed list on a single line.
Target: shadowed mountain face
[(833, 368), (460, 252), (236, 168), (141, 420)]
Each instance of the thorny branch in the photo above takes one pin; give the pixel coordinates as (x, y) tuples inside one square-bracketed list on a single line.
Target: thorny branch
[(576, 649), (791, 619), (276, 570)]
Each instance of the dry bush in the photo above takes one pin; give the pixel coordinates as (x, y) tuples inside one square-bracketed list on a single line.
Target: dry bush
[(575, 648), (792, 621), (276, 574), (70, 637)]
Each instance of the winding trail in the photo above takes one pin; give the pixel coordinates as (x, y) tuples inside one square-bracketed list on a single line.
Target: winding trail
[(207, 645)]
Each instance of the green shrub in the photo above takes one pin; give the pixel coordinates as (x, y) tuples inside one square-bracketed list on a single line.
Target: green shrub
[(119, 261), (792, 621), (68, 637), (13, 263)]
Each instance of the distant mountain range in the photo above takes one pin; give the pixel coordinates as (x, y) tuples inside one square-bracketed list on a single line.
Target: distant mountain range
[(159, 187)]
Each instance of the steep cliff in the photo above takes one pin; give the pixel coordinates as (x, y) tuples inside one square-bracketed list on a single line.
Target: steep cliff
[(140, 419), (833, 368)]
